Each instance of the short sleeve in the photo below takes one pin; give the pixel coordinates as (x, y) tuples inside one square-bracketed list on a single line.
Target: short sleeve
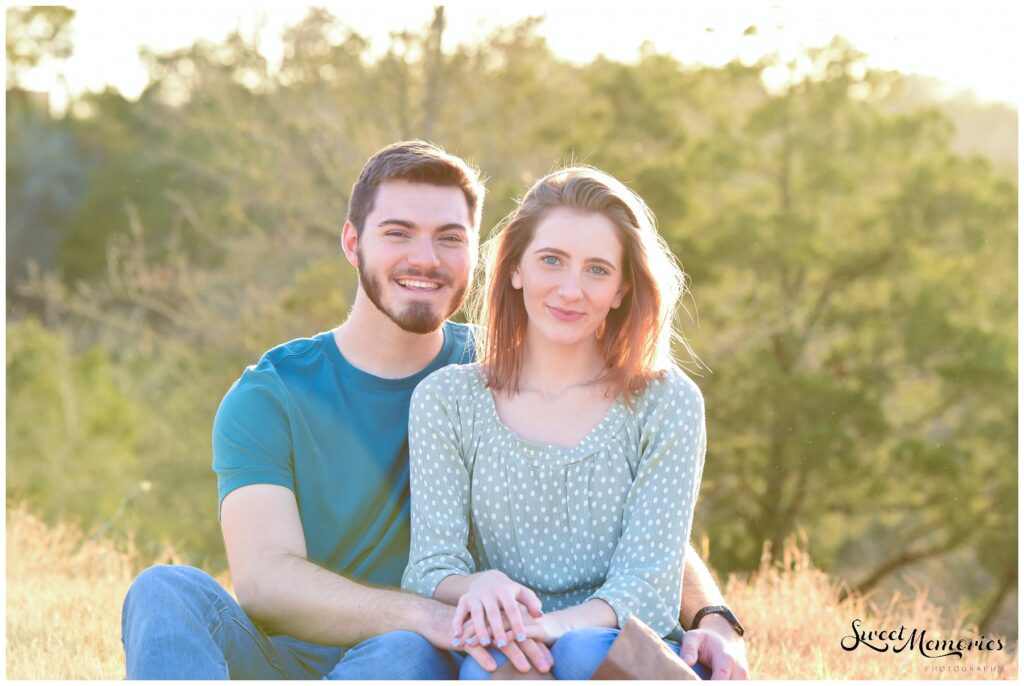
[(252, 441), (645, 575), (439, 482)]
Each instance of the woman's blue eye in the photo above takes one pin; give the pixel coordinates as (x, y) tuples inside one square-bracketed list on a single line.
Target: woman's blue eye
[(600, 271), (549, 259)]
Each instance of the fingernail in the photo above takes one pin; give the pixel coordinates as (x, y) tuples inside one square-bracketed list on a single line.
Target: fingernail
[(687, 657), (457, 642), (520, 637), (455, 633), (485, 641), (471, 641), (501, 643)]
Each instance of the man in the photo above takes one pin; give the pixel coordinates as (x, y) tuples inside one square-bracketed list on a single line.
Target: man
[(310, 450)]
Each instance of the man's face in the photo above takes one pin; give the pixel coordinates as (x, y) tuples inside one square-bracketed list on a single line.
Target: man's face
[(416, 253)]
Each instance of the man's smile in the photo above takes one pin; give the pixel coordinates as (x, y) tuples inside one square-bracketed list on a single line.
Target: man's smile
[(418, 285)]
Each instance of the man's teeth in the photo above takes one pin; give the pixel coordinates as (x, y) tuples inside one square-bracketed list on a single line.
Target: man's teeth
[(410, 283)]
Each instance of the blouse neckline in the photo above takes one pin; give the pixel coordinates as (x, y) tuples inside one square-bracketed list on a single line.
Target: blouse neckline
[(550, 453)]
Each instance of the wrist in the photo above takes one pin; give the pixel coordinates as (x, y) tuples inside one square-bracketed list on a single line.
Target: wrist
[(719, 625), (409, 612), (555, 625)]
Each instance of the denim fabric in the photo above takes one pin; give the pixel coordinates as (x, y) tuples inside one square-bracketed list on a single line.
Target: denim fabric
[(576, 656), (177, 622), (401, 655)]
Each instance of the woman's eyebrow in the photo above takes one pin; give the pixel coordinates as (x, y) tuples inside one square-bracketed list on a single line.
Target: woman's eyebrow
[(562, 253)]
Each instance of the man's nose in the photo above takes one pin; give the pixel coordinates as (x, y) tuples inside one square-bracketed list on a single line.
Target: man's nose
[(424, 255)]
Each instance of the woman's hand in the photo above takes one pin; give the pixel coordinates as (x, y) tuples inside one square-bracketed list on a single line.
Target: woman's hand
[(492, 597), (545, 629)]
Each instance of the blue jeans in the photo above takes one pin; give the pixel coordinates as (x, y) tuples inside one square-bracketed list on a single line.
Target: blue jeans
[(577, 655), (179, 623)]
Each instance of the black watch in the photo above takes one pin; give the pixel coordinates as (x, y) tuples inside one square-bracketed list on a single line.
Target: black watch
[(718, 610)]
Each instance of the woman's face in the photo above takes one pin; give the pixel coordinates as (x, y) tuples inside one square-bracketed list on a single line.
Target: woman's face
[(570, 275)]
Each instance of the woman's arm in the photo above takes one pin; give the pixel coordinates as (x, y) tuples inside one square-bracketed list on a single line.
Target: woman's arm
[(439, 483), (643, 578)]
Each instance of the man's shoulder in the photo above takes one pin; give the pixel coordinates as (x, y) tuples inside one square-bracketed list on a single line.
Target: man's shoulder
[(282, 361), (463, 338), (293, 352)]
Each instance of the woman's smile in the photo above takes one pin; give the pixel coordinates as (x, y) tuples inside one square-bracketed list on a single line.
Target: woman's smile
[(565, 315)]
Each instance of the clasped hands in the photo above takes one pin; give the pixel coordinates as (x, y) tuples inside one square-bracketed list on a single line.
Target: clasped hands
[(498, 611)]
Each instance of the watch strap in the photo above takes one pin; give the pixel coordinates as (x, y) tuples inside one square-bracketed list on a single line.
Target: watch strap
[(718, 610)]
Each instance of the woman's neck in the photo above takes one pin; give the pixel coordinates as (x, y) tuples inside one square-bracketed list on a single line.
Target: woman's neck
[(550, 369)]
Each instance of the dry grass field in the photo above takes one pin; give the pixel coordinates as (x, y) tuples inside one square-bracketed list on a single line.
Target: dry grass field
[(64, 593)]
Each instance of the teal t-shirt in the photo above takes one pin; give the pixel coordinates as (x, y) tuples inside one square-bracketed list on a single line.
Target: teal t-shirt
[(306, 419)]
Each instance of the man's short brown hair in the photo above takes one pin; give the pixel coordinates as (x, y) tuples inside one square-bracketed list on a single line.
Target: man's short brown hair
[(419, 162)]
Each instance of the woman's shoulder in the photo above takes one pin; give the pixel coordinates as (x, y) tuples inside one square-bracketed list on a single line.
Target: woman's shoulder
[(672, 391), (452, 381)]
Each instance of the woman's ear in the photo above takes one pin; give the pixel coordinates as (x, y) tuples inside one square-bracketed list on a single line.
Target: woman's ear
[(517, 280), (617, 300)]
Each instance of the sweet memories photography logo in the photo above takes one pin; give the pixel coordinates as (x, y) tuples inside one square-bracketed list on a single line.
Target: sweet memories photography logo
[(915, 640)]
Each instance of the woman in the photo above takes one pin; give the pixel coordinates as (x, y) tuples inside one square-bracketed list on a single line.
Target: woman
[(561, 470)]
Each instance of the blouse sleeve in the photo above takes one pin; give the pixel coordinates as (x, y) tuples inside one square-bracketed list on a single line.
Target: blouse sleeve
[(645, 575), (440, 491)]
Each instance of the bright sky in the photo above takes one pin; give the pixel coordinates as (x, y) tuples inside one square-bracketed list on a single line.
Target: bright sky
[(968, 44)]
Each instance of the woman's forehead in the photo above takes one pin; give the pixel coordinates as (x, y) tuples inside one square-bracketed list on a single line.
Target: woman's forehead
[(581, 234)]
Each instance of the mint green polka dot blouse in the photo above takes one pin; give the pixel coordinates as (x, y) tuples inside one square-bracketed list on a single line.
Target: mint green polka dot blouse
[(608, 518)]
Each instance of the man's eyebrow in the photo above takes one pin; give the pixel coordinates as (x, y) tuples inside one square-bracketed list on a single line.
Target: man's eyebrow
[(410, 225), (562, 253), (397, 222)]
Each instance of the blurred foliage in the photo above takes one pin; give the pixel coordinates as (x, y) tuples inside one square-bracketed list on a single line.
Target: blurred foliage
[(854, 271), (34, 35)]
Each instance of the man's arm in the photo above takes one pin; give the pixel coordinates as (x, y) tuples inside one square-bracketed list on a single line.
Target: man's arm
[(725, 652), (283, 591), (699, 591)]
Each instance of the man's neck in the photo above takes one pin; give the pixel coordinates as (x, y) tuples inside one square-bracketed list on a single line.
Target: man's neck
[(373, 343)]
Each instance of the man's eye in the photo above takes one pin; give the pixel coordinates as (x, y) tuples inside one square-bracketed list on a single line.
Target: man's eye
[(453, 239), (396, 234)]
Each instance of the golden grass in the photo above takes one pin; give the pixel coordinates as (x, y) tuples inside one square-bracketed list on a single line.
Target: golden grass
[(65, 589), (64, 595), (797, 623)]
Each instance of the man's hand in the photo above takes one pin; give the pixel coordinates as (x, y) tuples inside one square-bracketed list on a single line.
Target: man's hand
[(435, 626), (726, 657)]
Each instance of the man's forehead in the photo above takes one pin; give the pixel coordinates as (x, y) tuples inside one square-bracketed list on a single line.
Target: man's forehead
[(423, 201)]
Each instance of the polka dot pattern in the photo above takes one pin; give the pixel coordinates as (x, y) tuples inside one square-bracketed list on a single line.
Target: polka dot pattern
[(606, 519)]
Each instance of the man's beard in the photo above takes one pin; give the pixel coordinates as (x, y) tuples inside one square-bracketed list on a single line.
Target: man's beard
[(417, 317)]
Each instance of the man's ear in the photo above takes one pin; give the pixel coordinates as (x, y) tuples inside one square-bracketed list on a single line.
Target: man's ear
[(350, 243), (617, 300)]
